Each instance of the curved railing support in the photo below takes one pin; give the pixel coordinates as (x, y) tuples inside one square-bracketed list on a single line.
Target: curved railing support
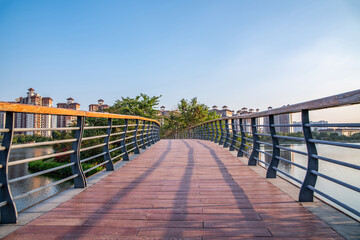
[(254, 154), (271, 171), (8, 212), (306, 194), (109, 165), (80, 180)]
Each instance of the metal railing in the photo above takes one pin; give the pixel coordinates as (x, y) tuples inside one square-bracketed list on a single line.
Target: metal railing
[(107, 138), (251, 134)]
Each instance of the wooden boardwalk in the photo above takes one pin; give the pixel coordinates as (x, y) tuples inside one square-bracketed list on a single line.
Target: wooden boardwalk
[(180, 189)]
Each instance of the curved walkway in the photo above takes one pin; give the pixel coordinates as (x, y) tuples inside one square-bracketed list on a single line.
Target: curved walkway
[(180, 189)]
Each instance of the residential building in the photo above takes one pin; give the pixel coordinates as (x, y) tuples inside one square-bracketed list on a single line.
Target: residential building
[(299, 128), (100, 107), (283, 119), (29, 120), (224, 112), (2, 120), (66, 121)]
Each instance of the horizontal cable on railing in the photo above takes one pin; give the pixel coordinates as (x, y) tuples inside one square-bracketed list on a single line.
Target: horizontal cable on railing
[(2, 148), (94, 137), (290, 138), (344, 184), (350, 209), (117, 133), (288, 175), (292, 163), (248, 146), (92, 147), (286, 125), (129, 143), (263, 134), (265, 143), (92, 157), (257, 159), (117, 126), (332, 125), (118, 156), (131, 149), (96, 166), (96, 127), (44, 187), (114, 149), (246, 152), (27, 145), (4, 130), (115, 141), (45, 129), (266, 153), (39, 158), (292, 150), (3, 203), (345, 164), (349, 145), (40, 173)]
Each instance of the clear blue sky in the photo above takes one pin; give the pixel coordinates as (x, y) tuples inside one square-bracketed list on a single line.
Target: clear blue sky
[(240, 53)]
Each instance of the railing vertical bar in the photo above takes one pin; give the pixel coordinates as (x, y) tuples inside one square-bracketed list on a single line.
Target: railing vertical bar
[(227, 137), (80, 180), (221, 142), (143, 145), (307, 194), (8, 212), (148, 134), (242, 144), (123, 142), (234, 132), (254, 154), (107, 157), (135, 144), (271, 171)]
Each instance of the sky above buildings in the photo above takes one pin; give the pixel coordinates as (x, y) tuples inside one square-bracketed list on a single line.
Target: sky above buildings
[(254, 53)]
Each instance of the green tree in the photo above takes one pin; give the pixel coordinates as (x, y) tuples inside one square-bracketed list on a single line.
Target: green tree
[(142, 105)]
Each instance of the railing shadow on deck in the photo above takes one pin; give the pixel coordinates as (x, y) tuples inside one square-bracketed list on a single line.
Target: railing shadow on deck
[(251, 134), (97, 138)]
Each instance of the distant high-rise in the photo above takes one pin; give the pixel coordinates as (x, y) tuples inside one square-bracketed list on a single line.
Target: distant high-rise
[(2, 120), (66, 121), (30, 120), (283, 119), (100, 107)]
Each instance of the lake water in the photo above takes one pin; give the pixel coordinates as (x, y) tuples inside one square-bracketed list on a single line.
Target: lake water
[(29, 184), (345, 174)]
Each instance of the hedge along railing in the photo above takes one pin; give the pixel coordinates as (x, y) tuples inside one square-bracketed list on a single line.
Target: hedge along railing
[(112, 141), (244, 133)]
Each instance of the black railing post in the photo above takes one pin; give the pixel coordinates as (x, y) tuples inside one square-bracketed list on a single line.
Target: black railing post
[(152, 133), (221, 142), (216, 132), (242, 141), (271, 172), (107, 157), (227, 138), (207, 131), (8, 212), (80, 180), (123, 142), (135, 144), (306, 194), (254, 154), (212, 132), (143, 145), (234, 132), (148, 134)]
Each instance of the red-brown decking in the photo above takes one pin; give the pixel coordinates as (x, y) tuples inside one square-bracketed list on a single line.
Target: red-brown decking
[(180, 189)]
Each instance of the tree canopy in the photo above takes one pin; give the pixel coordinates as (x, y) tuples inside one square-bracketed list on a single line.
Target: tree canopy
[(142, 105)]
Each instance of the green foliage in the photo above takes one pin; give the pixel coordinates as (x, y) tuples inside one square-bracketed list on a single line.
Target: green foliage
[(188, 114), (22, 138), (142, 105)]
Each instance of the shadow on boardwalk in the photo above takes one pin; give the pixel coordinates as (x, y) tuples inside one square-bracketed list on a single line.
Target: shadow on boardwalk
[(179, 189)]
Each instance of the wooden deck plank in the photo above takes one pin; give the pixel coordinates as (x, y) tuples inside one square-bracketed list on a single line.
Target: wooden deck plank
[(180, 189)]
